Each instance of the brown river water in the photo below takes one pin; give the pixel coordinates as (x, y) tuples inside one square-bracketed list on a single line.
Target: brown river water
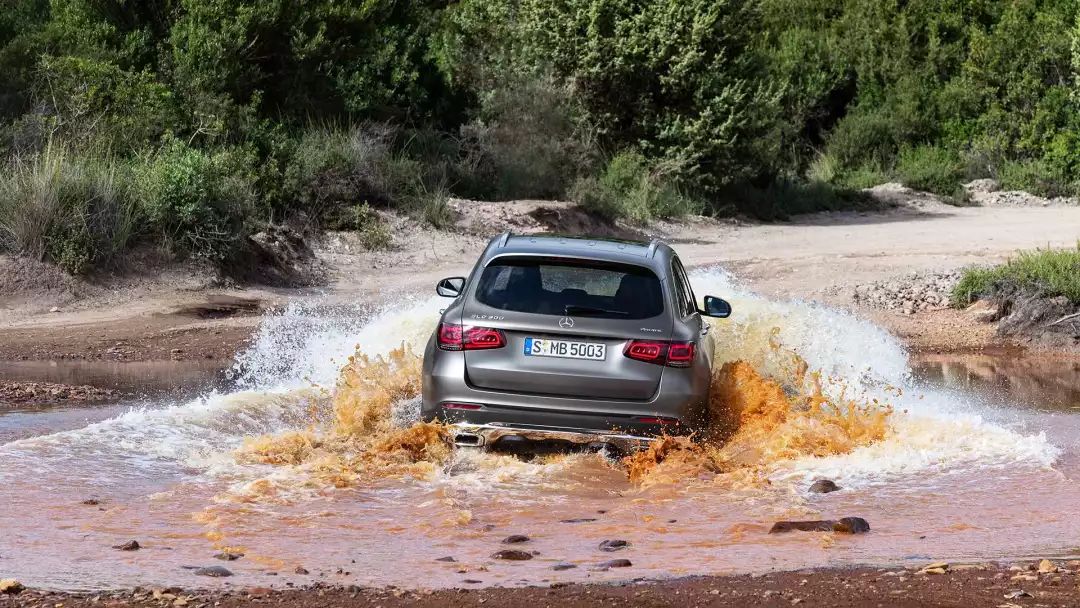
[(311, 458)]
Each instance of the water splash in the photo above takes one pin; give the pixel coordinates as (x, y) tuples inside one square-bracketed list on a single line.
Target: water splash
[(800, 390)]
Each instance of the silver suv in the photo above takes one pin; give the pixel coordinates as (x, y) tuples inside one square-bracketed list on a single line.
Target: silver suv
[(570, 342)]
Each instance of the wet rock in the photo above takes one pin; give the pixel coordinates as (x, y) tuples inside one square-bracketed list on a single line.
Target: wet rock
[(852, 525), (615, 563), (131, 545), (10, 586), (1017, 594), (91, 502), (1047, 567), (213, 571), (823, 486), (301, 570), (228, 556), (512, 555), (844, 525), (802, 526), (471, 581), (515, 539), (613, 545), (577, 520), (448, 559), (559, 567)]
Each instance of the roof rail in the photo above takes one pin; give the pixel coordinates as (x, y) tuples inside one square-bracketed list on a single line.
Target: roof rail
[(504, 238), (653, 244)]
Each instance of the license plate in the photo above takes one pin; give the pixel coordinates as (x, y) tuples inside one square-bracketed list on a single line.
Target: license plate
[(542, 347)]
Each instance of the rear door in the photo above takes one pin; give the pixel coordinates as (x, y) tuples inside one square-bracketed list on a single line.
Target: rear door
[(566, 324)]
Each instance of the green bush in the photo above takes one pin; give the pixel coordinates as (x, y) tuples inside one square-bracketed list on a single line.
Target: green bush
[(333, 168), (782, 198), (861, 177), (530, 139), (76, 211), (864, 137), (629, 189), (199, 201), (1035, 176), (678, 79), (930, 168), (97, 103), (1047, 273)]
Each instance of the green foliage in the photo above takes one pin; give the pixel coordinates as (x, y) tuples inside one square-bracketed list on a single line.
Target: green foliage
[(1045, 273), (76, 211), (84, 96), (204, 108), (529, 140), (322, 57), (676, 78), (197, 201), (930, 168), (630, 189), (1035, 176)]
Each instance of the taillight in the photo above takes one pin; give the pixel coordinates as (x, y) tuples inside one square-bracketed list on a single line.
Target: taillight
[(449, 336), (672, 354), (456, 337), (462, 406), (661, 420)]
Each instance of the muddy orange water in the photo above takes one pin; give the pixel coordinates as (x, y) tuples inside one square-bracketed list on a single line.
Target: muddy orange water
[(314, 459)]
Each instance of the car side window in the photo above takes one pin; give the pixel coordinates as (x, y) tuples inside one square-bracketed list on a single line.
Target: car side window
[(682, 288)]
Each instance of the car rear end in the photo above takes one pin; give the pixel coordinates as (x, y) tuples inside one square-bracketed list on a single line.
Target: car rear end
[(557, 346)]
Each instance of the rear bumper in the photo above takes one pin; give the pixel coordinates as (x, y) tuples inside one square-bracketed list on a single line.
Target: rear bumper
[(504, 436), (681, 399)]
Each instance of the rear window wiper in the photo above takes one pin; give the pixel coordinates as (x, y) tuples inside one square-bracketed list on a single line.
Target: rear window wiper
[(574, 309)]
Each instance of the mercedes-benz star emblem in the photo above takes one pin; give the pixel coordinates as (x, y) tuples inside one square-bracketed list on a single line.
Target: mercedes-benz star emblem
[(566, 322)]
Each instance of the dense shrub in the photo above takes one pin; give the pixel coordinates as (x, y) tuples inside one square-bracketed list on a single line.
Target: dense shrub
[(530, 140), (762, 107), (1035, 176), (76, 211), (630, 189), (677, 78), (931, 168), (198, 202)]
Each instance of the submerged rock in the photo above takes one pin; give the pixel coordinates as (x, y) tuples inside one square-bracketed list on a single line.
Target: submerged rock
[(131, 545), (852, 525), (616, 563), (228, 556), (512, 555), (613, 545), (845, 525), (820, 525), (515, 539), (213, 571), (563, 566), (577, 520), (301, 570), (447, 558), (823, 486)]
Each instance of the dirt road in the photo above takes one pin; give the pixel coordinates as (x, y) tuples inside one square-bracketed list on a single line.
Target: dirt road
[(818, 257)]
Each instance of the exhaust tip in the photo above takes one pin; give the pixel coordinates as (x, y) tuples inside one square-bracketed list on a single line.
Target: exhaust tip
[(468, 440)]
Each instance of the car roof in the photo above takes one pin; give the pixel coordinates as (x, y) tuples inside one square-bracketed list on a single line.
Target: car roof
[(653, 254)]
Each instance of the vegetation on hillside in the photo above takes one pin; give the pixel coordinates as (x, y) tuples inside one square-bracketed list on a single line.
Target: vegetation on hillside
[(1043, 273), (193, 123)]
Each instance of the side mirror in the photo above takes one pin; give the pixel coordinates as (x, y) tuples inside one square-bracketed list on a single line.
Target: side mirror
[(716, 307), (451, 287)]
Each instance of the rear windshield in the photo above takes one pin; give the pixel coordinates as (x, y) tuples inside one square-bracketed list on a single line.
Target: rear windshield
[(552, 287)]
